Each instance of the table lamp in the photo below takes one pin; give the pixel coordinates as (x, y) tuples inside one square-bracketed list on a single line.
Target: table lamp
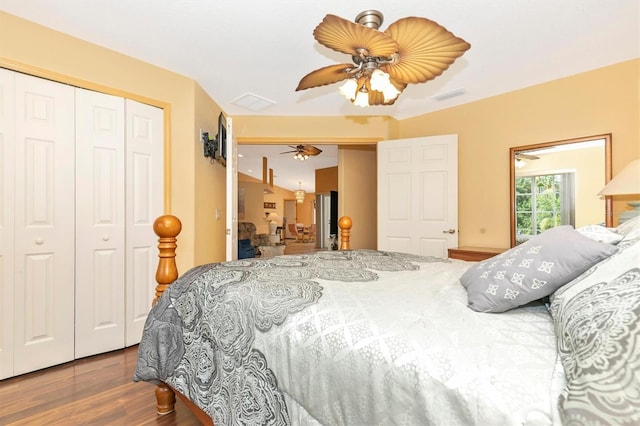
[(273, 224), (627, 182)]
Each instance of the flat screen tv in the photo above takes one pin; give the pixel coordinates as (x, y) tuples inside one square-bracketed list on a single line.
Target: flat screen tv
[(222, 140)]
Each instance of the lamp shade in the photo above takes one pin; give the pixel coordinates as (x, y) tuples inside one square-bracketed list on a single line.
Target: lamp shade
[(273, 217), (627, 182)]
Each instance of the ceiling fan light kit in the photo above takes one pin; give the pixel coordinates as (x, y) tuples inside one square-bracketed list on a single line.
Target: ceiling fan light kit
[(411, 50), (303, 152)]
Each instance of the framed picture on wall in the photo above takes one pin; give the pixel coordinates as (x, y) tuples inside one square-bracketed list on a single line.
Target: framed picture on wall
[(269, 205)]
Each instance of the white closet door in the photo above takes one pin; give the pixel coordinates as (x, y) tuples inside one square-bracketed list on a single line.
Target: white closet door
[(100, 223), (144, 203), (6, 222), (44, 223)]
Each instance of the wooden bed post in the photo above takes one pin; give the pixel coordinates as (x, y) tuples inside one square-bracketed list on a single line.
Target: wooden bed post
[(167, 228), (345, 232)]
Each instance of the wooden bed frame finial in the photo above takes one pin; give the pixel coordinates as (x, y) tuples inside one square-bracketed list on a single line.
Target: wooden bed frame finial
[(167, 228), (345, 232)]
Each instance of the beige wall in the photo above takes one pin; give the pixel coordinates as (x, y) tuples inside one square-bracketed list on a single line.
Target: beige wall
[(254, 205), (602, 101), (209, 185), (305, 211), (358, 175), (317, 130)]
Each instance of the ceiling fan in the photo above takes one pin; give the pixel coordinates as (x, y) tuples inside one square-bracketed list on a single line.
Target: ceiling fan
[(410, 50), (302, 152), (521, 156)]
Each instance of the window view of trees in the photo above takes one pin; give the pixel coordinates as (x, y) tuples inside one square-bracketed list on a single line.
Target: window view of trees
[(542, 202)]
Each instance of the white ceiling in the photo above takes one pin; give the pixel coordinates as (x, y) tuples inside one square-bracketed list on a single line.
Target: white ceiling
[(264, 47)]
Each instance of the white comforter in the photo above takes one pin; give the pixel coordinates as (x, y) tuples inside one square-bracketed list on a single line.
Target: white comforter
[(391, 342)]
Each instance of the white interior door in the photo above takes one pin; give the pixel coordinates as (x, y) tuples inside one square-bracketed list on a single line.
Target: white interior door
[(232, 194), (144, 142), (44, 223), (7, 157), (418, 195), (100, 223)]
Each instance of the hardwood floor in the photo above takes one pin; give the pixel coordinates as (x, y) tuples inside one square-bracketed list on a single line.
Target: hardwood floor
[(92, 391), (298, 248), (97, 390)]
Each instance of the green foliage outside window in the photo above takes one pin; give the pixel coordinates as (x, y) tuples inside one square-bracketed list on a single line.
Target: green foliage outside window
[(538, 203)]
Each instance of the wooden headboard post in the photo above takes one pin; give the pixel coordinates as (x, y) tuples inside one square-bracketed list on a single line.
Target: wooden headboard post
[(345, 232), (167, 228)]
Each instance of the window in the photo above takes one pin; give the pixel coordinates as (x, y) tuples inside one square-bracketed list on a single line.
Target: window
[(542, 202)]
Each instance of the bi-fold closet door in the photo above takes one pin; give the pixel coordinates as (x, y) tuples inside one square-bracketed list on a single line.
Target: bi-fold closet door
[(81, 183)]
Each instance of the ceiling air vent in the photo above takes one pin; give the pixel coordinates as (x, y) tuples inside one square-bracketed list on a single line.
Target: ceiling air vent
[(448, 95), (253, 102)]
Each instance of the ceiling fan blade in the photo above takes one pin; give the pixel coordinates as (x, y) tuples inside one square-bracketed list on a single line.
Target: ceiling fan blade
[(311, 150), (347, 37), (527, 156), (426, 49), (288, 152), (324, 76)]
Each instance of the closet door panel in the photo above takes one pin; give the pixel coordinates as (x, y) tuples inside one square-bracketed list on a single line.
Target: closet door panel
[(44, 224), (144, 203), (100, 223), (6, 221)]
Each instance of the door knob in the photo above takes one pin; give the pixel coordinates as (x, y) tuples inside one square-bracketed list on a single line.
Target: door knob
[(450, 231), (105, 237), (39, 241)]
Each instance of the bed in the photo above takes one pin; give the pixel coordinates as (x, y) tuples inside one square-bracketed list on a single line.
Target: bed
[(546, 333)]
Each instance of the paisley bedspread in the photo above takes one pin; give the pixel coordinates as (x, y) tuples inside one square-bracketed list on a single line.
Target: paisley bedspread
[(356, 337)]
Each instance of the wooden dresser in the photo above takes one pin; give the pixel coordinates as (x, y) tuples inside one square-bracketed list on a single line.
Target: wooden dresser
[(474, 253)]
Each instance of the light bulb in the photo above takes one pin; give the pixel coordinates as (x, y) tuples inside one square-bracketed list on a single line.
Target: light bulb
[(362, 99), (390, 92), (379, 80), (348, 89)]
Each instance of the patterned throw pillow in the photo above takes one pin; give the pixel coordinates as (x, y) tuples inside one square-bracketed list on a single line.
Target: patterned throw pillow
[(531, 270), (597, 322)]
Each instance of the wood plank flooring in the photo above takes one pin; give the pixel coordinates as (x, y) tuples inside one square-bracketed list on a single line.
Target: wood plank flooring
[(94, 391), (299, 248)]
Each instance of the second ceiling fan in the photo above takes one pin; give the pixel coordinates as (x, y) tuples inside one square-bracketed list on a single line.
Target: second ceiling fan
[(302, 152)]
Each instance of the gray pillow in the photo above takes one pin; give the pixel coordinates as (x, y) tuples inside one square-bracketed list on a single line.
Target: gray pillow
[(531, 270), (598, 337), (597, 323)]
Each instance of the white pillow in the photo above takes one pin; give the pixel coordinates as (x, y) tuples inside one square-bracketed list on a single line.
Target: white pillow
[(631, 225), (600, 233)]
